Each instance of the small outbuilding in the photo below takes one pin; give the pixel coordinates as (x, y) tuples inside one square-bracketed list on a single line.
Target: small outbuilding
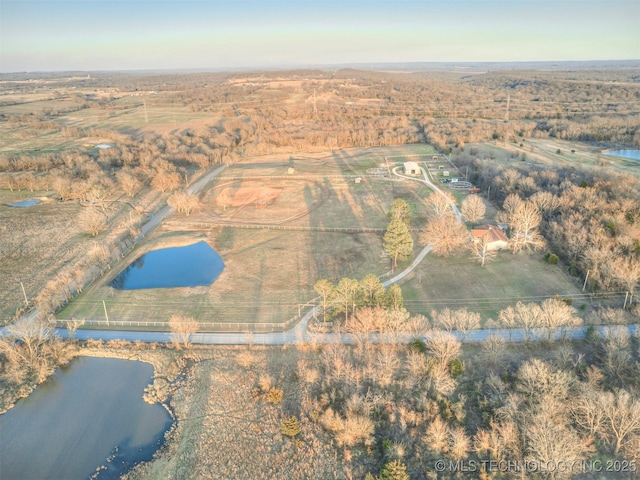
[(494, 236), (411, 168)]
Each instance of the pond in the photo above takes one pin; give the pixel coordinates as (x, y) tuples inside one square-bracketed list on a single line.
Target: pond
[(633, 154), (26, 203), (190, 266), (88, 414)]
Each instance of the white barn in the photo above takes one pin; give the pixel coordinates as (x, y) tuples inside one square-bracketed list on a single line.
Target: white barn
[(411, 168)]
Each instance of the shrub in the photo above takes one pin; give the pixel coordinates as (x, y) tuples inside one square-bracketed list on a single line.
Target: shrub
[(551, 258), (418, 345), (456, 367), (290, 427), (394, 471), (274, 395)]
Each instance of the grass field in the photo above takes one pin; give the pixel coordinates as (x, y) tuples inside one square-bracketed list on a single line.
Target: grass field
[(35, 243), (461, 282), (268, 273)]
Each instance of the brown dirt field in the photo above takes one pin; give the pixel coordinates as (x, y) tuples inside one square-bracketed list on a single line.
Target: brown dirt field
[(241, 197)]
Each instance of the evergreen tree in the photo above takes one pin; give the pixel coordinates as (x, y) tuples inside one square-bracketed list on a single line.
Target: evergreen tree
[(397, 240), (400, 210)]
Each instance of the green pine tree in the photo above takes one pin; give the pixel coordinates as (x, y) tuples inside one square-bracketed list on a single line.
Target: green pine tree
[(397, 240), (394, 471)]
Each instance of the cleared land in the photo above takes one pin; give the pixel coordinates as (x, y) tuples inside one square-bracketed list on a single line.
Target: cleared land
[(268, 273), (460, 282)]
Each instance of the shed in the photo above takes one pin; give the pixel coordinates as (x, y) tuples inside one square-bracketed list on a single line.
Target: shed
[(358, 180), (445, 173)]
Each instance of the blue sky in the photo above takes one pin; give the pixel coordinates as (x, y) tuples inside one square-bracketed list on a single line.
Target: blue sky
[(53, 35)]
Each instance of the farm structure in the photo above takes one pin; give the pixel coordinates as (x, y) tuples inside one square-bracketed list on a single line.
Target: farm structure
[(411, 168)]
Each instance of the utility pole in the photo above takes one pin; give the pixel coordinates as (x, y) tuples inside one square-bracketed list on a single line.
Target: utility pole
[(506, 116), (626, 297), (26, 301), (315, 107), (585, 281), (105, 312)]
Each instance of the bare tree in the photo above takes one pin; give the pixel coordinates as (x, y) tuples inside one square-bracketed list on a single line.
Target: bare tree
[(437, 436), (182, 327), (473, 208), (622, 418), (555, 313), (524, 316), (73, 325), (459, 443), (524, 222), (324, 288), (443, 346), (184, 202), (439, 205), (366, 321), (480, 250), (445, 234), (93, 221), (166, 181), (493, 349), (128, 182)]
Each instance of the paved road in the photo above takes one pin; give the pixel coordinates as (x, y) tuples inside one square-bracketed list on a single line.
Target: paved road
[(292, 337)]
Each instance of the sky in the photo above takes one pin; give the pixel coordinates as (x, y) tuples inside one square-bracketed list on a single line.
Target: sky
[(88, 35)]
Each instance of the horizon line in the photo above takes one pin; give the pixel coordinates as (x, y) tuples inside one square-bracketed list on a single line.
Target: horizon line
[(330, 66)]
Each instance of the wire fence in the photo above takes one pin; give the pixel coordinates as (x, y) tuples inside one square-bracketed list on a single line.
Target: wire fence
[(231, 327)]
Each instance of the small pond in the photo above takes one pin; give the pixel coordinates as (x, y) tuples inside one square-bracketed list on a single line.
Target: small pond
[(26, 203), (633, 154), (190, 266), (88, 414)]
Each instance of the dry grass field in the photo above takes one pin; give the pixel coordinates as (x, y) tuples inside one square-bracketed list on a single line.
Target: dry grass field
[(460, 282), (220, 419), (35, 243), (268, 273)]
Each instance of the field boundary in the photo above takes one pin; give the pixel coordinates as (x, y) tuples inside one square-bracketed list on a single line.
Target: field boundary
[(266, 226)]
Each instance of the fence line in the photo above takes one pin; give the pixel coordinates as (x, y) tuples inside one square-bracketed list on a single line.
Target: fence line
[(203, 326), (261, 226)]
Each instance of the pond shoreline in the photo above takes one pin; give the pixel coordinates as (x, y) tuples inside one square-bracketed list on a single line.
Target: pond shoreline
[(167, 368)]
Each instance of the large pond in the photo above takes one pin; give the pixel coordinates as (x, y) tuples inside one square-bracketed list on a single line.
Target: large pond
[(189, 266), (633, 154), (87, 415)]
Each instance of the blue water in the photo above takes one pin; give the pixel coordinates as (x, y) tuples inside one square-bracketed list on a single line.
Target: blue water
[(89, 414), (189, 266), (634, 154), (25, 203)]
